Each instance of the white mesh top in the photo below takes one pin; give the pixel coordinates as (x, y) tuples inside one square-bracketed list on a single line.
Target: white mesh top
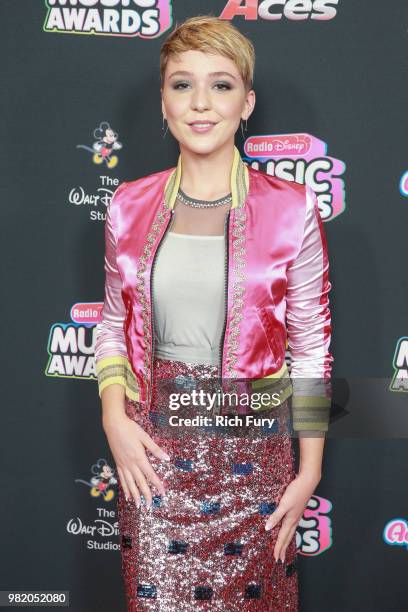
[(188, 297)]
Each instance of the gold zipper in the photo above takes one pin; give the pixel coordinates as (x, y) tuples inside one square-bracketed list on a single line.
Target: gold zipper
[(169, 223), (226, 254)]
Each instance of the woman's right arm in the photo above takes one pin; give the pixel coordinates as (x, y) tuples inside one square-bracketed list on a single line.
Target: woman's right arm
[(127, 440), (111, 358)]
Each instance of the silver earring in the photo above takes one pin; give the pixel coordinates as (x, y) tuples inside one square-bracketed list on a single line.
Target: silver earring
[(163, 128), (242, 127)]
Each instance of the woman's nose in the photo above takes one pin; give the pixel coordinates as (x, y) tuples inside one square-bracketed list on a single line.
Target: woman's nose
[(200, 99)]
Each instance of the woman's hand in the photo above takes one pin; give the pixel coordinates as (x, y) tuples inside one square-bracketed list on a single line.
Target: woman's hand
[(128, 443), (290, 509)]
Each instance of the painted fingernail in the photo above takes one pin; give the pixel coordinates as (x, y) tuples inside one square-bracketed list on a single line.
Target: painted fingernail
[(268, 527), (165, 457)]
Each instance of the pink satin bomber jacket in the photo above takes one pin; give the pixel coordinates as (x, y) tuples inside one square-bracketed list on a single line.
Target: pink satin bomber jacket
[(276, 283)]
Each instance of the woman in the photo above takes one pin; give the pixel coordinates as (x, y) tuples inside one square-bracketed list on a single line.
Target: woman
[(212, 269)]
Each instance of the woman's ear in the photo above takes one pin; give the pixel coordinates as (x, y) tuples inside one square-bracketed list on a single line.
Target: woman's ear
[(250, 102)]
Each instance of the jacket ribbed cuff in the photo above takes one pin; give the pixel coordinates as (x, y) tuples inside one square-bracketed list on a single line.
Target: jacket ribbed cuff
[(117, 370), (310, 413)]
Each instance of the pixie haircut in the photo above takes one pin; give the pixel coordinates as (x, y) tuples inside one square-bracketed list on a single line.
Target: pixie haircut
[(210, 34)]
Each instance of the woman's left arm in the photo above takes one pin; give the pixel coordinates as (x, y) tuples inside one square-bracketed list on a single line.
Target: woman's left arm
[(308, 321)]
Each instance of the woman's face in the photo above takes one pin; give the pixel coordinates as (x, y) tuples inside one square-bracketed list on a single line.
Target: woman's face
[(193, 92)]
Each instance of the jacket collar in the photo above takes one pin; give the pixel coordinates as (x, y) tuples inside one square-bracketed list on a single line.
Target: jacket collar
[(239, 182)]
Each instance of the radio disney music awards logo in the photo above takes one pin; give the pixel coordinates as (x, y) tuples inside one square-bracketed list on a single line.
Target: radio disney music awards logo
[(396, 532), (399, 382), (71, 345), (104, 146), (143, 18), (275, 10), (314, 532), (303, 159), (102, 531), (403, 186)]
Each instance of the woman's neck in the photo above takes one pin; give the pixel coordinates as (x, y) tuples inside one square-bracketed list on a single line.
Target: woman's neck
[(206, 176)]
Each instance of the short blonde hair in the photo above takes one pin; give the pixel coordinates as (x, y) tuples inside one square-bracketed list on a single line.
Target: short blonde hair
[(211, 34)]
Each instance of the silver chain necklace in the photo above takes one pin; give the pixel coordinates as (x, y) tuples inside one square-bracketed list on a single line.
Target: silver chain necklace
[(203, 203)]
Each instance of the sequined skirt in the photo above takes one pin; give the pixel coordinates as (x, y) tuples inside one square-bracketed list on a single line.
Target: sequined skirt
[(204, 545)]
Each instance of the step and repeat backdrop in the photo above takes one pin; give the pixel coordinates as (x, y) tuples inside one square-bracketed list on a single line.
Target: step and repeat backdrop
[(81, 113)]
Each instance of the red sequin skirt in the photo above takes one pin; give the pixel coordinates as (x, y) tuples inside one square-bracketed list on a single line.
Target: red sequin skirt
[(204, 545)]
